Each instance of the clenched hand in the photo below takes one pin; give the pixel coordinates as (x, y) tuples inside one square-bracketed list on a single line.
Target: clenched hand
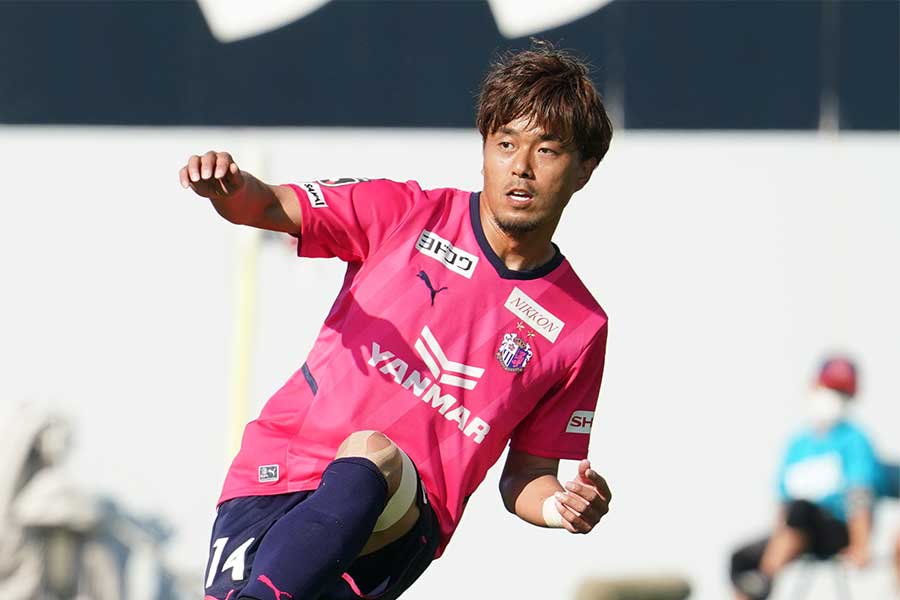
[(213, 175), (585, 500)]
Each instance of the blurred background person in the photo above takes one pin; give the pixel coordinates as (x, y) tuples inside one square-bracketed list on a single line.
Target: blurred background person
[(827, 482), (890, 489), (60, 540)]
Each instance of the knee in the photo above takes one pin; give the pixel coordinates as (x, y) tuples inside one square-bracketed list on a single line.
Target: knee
[(378, 448)]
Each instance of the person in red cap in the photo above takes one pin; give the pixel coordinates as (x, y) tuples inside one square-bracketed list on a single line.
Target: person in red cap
[(826, 484)]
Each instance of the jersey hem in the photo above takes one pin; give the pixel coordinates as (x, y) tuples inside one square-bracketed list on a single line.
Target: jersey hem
[(267, 491), (544, 453)]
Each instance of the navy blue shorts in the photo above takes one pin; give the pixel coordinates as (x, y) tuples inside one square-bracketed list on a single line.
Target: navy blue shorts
[(242, 523)]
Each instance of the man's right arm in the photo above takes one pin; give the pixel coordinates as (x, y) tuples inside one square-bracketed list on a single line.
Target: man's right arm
[(240, 197)]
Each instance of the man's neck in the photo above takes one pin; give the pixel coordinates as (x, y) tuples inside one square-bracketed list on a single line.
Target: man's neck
[(523, 252)]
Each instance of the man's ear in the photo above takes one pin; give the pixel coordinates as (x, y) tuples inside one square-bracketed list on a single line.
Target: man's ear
[(585, 170)]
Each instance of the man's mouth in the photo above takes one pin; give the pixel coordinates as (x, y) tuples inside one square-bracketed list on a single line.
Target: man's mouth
[(520, 195)]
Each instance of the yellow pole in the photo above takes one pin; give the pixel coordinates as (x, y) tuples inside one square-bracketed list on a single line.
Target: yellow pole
[(248, 239)]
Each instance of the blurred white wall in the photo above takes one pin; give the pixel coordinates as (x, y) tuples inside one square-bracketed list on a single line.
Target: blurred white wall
[(728, 263)]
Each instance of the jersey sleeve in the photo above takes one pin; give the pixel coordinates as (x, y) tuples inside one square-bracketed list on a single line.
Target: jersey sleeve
[(560, 425), (861, 467), (348, 218)]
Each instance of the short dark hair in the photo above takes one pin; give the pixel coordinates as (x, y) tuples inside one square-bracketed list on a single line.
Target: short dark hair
[(553, 89)]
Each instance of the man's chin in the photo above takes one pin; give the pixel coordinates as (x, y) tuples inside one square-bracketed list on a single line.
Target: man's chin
[(516, 227)]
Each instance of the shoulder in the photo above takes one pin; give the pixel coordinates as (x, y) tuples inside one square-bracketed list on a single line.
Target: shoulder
[(568, 304), (582, 299), (447, 196), (376, 186), (853, 434), (799, 439), (414, 192)]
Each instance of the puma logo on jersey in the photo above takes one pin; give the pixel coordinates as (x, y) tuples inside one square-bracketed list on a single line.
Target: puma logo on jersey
[(263, 579), (443, 371), (434, 292), (268, 473), (457, 260)]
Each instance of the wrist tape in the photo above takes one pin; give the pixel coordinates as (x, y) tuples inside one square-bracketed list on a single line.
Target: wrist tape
[(551, 514)]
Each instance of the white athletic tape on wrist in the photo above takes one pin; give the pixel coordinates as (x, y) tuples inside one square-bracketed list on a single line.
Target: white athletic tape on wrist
[(551, 514)]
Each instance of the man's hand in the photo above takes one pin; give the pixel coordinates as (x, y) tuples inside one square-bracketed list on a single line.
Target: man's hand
[(585, 500), (239, 196), (213, 175)]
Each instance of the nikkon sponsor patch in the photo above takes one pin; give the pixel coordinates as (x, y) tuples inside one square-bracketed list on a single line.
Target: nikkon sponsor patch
[(536, 316)]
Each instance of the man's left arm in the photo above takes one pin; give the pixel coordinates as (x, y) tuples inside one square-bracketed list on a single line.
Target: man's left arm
[(531, 490), (859, 528), (862, 470)]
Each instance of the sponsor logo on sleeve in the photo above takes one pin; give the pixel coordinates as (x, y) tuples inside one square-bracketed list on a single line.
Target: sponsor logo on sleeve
[(268, 473), (536, 316), (580, 421), (314, 193), (457, 260)]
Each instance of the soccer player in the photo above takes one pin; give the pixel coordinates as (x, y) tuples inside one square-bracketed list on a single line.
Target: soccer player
[(460, 328), (827, 483)]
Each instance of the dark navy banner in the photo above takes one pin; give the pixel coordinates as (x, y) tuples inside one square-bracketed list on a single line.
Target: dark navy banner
[(661, 64)]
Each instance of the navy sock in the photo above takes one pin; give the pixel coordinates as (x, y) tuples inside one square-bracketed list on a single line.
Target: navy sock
[(309, 548)]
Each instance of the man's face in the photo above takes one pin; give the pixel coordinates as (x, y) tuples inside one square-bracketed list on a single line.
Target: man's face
[(529, 177)]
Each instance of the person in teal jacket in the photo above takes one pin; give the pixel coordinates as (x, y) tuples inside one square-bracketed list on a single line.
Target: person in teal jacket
[(890, 488), (827, 482)]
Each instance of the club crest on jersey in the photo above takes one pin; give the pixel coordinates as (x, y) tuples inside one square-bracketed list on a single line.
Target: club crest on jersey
[(514, 352)]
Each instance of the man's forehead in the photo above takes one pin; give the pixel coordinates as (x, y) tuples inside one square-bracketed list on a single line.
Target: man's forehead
[(529, 127)]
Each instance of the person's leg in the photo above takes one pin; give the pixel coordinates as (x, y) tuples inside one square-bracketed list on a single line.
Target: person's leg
[(787, 543), (791, 539), (312, 545), (240, 526), (897, 559), (749, 583), (389, 571), (401, 512)]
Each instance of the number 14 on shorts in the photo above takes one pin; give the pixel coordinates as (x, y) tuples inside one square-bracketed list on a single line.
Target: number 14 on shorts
[(236, 561)]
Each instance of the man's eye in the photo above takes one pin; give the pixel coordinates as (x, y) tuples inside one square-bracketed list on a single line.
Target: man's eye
[(505, 145), (547, 151)]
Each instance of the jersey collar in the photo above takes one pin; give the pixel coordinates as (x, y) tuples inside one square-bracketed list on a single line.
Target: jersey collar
[(502, 270)]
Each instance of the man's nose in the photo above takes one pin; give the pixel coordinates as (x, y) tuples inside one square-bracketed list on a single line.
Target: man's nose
[(521, 166)]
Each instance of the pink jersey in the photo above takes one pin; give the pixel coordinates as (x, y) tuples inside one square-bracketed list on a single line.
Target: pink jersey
[(433, 341)]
